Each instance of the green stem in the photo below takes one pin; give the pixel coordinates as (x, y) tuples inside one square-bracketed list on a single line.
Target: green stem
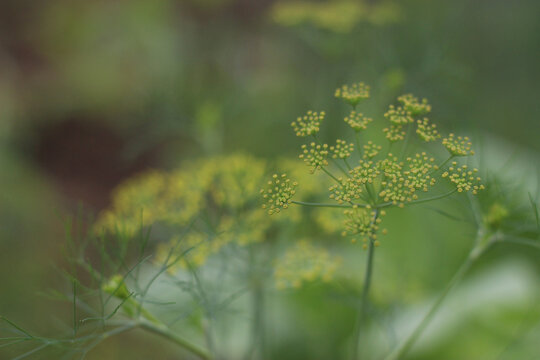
[(476, 252), (420, 201), (164, 331), (521, 241), (439, 167), (446, 161), (365, 293), (327, 205), (358, 147), (406, 142), (347, 163), (330, 174), (331, 159)]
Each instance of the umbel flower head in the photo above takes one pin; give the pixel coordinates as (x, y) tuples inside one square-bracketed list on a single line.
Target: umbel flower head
[(353, 94), (315, 156), (413, 106), (351, 188), (398, 115), (278, 194), (357, 121), (308, 124), (463, 178), (362, 222), (426, 131), (374, 178), (394, 133), (458, 146), (342, 149), (371, 150)]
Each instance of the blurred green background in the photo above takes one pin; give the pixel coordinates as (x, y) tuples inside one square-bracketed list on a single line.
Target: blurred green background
[(93, 92)]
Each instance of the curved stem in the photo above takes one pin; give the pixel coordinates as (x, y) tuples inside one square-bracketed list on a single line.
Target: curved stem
[(163, 330), (478, 250), (521, 241), (365, 293)]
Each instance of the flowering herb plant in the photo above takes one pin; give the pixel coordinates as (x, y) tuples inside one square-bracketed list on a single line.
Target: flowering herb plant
[(199, 235)]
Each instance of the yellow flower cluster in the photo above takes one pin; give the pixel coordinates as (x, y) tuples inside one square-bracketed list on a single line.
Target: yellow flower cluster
[(362, 222), (308, 124), (458, 146), (401, 181), (315, 156), (304, 263), (371, 150), (398, 115), (192, 249), (418, 173), (357, 121), (413, 106), (337, 16), (278, 194), (353, 94), (351, 188), (381, 179), (426, 131), (217, 198), (394, 133), (135, 203), (342, 149), (463, 178)]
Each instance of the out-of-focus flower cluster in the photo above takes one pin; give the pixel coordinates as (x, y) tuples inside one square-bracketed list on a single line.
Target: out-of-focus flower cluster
[(353, 94), (304, 263), (339, 16), (204, 205)]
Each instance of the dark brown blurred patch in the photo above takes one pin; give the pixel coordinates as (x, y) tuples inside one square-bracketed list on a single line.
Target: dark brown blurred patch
[(86, 159)]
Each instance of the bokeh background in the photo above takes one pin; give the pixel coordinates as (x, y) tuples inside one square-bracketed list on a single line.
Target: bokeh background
[(93, 92)]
